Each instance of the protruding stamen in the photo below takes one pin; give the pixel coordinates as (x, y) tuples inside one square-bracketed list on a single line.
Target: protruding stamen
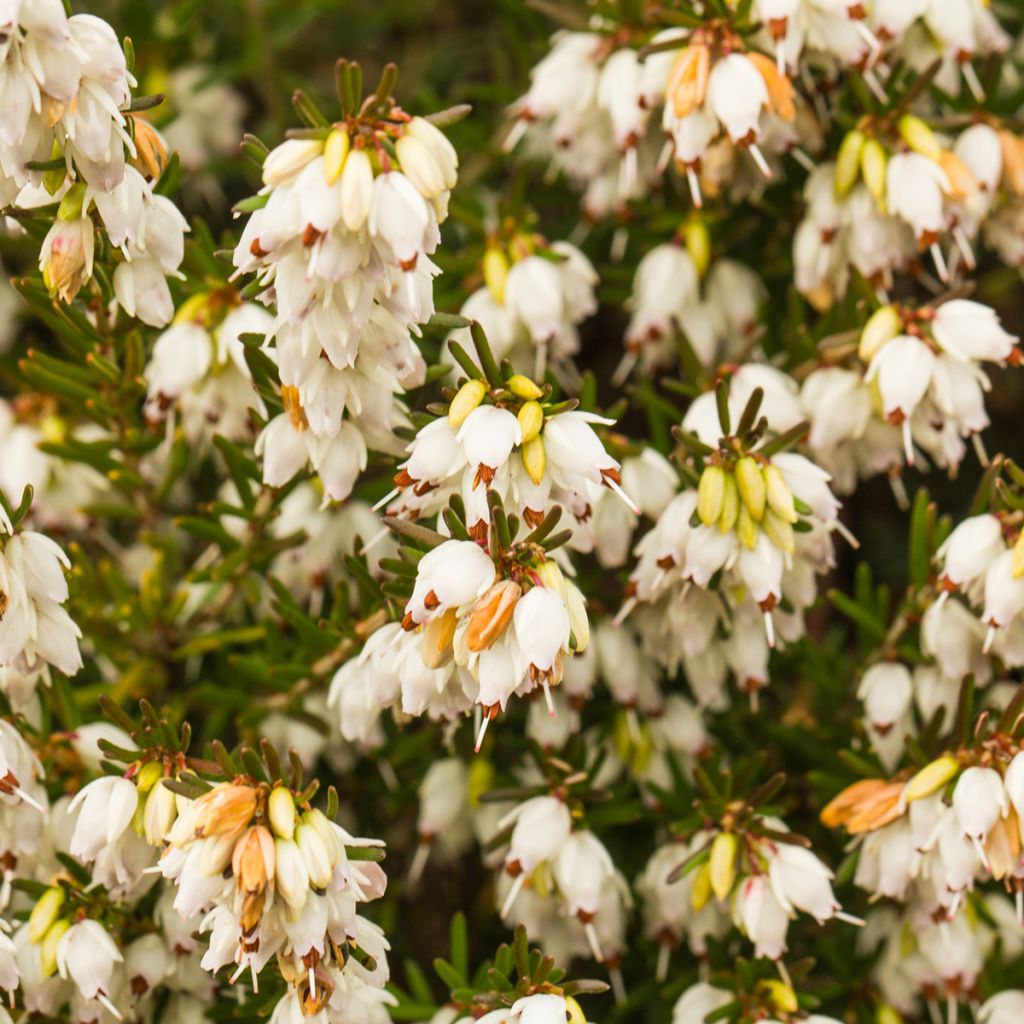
[(661, 971), (627, 606), (625, 367), (626, 499), (618, 985), (694, 183), (979, 449), (940, 262), (973, 82), (963, 243), (517, 131), (375, 539), (990, 636), (762, 163), (842, 915), (547, 698), (595, 947), (517, 884), (109, 1005), (419, 862), (769, 629), (908, 442), (393, 493)]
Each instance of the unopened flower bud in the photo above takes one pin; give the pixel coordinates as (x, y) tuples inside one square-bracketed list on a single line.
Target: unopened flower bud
[(356, 189), (778, 494), (698, 243), (48, 947), (848, 162), (534, 459), (149, 775), (700, 891), (291, 874), (930, 778), (579, 623), (573, 1012), (746, 528), (491, 614), (314, 854), (779, 995), (722, 864), (873, 160), (919, 137), (281, 812), (1017, 563), (750, 482), (159, 813), (225, 809), (551, 576), (286, 160), (779, 532), (150, 151), (436, 649), (469, 396), (335, 154), (711, 494), (730, 504), (44, 913), (523, 387), (531, 419), (886, 1014), (495, 275), (71, 205), (883, 325), (52, 180)]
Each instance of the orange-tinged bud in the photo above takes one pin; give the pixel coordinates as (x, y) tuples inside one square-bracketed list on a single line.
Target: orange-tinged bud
[(491, 614), (252, 863), (865, 806), (780, 88), (688, 79), (293, 406), (151, 153), (1013, 161), (437, 639), (227, 808), (961, 182)]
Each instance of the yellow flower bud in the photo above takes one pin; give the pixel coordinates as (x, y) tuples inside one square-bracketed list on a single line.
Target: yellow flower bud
[(883, 325), (873, 160), (579, 624), (281, 812), (551, 576), (778, 494), (711, 494), (573, 1011), (886, 1014), (700, 891), (919, 137), (931, 778), (523, 387), (48, 947), (495, 274), (722, 864), (779, 532), (1017, 563), (746, 528), (730, 504), (751, 486), (52, 180), (149, 775), (531, 419), (469, 396), (335, 154), (848, 163), (438, 633), (44, 913), (481, 779), (698, 243), (71, 205), (534, 459), (781, 997)]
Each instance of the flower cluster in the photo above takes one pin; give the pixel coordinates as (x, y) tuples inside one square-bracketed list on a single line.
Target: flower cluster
[(916, 383), (340, 244), (745, 544)]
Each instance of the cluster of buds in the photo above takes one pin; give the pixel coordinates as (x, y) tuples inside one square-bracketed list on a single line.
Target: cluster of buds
[(505, 433), (274, 877), (928, 837), (35, 628), (915, 382), (560, 882), (766, 999), (716, 92), (983, 560), (534, 296), (755, 869), (339, 240), (751, 537), (678, 289), (198, 370), (68, 85)]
